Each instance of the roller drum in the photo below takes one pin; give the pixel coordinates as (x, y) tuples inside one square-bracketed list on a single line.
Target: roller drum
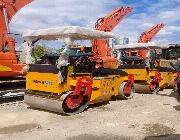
[(144, 88), (125, 91), (56, 105)]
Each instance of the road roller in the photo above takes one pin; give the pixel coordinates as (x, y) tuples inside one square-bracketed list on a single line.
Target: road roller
[(149, 74), (172, 54), (72, 82), (176, 67)]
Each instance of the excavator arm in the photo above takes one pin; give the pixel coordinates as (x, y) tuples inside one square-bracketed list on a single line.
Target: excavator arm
[(8, 8), (150, 34), (13, 6), (108, 23)]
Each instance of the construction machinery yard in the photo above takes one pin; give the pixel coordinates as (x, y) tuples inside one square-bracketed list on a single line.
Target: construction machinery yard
[(105, 90)]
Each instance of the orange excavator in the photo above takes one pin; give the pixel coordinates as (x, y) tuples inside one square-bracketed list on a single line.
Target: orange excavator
[(147, 37), (100, 50), (9, 65)]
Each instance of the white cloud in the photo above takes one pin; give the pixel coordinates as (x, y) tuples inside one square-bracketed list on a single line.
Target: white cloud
[(165, 32), (167, 14), (43, 14), (164, 11)]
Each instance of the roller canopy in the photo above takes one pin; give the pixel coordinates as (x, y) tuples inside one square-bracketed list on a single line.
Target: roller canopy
[(135, 46), (73, 32)]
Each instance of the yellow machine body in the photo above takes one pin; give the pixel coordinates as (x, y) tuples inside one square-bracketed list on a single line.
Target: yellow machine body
[(140, 74), (103, 88), (45, 92), (167, 79), (143, 77), (45, 82)]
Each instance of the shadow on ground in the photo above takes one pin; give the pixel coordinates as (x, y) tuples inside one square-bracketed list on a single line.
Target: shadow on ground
[(164, 137), (158, 129), (173, 94), (177, 108), (94, 137), (19, 128)]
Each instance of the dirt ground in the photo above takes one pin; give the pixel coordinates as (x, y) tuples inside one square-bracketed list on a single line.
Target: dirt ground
[(139, 118)]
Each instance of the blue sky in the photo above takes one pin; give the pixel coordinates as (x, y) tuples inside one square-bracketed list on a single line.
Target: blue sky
[(46, 13)]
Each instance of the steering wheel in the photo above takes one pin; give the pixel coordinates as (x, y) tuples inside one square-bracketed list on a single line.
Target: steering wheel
[(82, 61)]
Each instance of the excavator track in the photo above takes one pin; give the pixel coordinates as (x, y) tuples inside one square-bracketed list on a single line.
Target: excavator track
[(11, 95), (12, 89)]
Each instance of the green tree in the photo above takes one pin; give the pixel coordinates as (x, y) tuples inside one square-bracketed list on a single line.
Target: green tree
[(39, 51)]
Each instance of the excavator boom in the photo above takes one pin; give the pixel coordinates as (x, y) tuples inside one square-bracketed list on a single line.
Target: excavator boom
[(8, 8), (13, 6), (150, 34), (108, 23)]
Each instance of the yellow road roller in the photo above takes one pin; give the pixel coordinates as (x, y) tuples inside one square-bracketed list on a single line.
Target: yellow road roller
[(171, 58), (149, 74), (74, 81)]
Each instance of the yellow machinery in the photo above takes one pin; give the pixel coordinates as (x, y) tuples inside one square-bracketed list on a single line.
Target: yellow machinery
[(44, 91), (170, 57), (149, 78), (71, 84), (151, 81)]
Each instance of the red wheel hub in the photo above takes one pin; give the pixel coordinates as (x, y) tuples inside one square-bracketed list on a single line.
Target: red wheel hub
[(73, 101), (83, 89), (152, 86), (127, 89)]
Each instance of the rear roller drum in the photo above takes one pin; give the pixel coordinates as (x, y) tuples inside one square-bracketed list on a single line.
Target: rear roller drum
[(126, 91), (147, 89)]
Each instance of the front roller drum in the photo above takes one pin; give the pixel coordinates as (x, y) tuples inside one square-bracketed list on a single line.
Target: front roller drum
[(70, 102), (126, 91), (66, 104)]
